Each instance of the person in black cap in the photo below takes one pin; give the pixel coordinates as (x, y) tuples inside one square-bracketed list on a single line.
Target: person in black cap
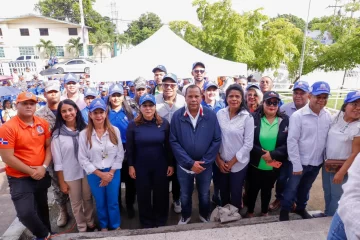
[(198, 72), (159, 73)]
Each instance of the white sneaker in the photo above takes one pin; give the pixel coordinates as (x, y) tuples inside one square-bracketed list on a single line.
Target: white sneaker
[(184, 221), (177, 206), (204, 220)]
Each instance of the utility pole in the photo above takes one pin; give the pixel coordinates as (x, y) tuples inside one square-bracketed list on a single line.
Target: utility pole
[(304, 42), (83, 27), (114, 16)]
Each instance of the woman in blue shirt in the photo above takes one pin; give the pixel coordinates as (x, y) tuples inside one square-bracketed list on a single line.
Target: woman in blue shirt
[(120, 114)]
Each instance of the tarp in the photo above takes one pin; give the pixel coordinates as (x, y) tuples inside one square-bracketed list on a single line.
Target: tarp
[(166, 48)]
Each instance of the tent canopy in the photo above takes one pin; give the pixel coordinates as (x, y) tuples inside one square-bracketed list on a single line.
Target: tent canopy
[(164, 47)]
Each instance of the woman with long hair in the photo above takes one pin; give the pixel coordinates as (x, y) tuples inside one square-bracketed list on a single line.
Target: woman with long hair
[(150, 162), (237, 135), (268, 153), (101, 154), (8, 112), (342, 146), (120, 114), (253, 97), (64, 147)]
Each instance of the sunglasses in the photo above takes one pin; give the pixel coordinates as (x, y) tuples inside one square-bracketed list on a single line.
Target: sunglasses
[(273, 103), (199, 71), (167, 85)]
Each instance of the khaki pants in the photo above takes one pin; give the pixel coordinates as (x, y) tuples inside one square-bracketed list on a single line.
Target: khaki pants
[(81, 203)]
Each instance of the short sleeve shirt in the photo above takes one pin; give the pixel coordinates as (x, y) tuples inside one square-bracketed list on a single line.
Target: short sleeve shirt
[(268, 138), (28, 142)]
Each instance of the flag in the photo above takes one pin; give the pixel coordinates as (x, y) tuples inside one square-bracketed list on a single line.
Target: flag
[(3, 141)]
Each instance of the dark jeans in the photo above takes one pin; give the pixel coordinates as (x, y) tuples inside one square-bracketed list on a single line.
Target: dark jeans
[(175, 188), (31, 203), (285, 173), (216, 182), (130, 187), (203, 181), (260, 180), (231, 186), (298, 187), (153, 196)]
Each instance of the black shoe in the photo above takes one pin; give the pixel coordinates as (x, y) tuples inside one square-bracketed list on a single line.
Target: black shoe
[(91, 229), (284, 215), (130, 212), (304, 214)]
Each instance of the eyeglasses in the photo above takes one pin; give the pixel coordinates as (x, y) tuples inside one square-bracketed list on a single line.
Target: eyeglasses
[(199, 71), (167, 85), (273, 103)]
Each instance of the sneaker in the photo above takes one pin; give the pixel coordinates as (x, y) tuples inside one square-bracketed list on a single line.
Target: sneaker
[(177, 206), (304, 214), (184, 221), (284, 215), (204, 220), (275, 205)]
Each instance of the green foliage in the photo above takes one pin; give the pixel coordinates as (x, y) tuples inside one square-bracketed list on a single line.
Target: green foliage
[(74, 45), (101, 41), (298, 22), (123, 40), (48, 47), (139, 30)]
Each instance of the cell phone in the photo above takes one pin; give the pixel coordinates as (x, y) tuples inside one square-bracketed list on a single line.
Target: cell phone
[(274, 164)]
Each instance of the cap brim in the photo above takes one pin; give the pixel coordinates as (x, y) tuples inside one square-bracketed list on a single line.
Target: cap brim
[(320, 92), (148, 101), (24, 100), (169, 79), (305, 90), (265, 99), (93, 109), (353, 99)]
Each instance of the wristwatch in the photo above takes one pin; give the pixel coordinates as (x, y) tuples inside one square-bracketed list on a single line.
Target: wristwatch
[(44, 166)]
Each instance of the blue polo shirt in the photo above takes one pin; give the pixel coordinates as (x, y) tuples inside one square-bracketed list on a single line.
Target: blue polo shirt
[(120, 120), (131, 94), (85, 114), (218, 105)]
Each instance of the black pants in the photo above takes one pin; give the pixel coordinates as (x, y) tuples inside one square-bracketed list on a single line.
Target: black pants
[(260, 180), (175, 189), (31, 203), (152, 189), (130, 187)]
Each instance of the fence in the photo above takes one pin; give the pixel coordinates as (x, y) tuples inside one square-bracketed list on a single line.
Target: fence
[(6, 68)]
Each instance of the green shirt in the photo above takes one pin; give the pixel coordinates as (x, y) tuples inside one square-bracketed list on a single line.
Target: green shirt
[(268, 137)]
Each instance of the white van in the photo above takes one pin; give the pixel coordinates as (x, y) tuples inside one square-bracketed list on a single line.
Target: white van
[(27, 58)]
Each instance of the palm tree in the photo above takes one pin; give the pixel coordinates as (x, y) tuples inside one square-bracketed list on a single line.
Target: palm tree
[(74, 45), (48, 47), (101, 41), (123, 40)]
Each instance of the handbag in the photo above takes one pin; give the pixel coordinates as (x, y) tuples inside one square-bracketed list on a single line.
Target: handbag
[(334, 165)]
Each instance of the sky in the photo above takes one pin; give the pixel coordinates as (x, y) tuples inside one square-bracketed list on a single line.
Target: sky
[(170, 10)]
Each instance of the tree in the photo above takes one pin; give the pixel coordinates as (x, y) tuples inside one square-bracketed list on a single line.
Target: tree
[(123, 40), (139, 30), (48, 47), (298, 22), (75, 46), (102, 41)]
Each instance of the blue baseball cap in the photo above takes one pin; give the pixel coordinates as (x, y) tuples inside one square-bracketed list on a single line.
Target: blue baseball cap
[(90, 92), (170, 76), (98, 103), (320, 88), (252, 86), (352, 96), (152, 82), (116, 88), (161, 68), (147, 97), (210, 84), (148, 87), (70, 77), (131, 84), (302, 85), (196, 64)]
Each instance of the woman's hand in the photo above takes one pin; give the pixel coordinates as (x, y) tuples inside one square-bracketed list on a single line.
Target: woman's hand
[(222, 165), (64, 187), (132, 172), (266, 156), (170, 171), (103, 183), (107, 177), (338, 178)]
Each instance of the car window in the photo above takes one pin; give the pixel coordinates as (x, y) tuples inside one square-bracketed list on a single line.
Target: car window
[(20, 58), (28, 57), (71, 62), (80, 62)]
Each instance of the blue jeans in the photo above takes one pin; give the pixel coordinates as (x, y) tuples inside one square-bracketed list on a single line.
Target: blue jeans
[(298, 188), (337, 229), (332, 192), (284, 175), (203, 181), (106, 198)]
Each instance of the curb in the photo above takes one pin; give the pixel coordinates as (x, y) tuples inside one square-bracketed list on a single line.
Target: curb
[(14, 231)]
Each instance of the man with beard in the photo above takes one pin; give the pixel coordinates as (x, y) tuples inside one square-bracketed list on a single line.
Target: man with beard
[(198, 72), (159, 73)]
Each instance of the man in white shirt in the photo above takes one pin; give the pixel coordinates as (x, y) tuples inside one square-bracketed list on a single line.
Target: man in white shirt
[(28, 75), (72, 90), (306, 141)]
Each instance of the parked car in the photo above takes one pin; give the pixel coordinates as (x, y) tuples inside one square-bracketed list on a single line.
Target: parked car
[(27, 58), (75, 65)]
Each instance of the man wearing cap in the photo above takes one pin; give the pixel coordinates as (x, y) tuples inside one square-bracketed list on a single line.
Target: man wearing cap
[(167, 103), (159, 73), (49, 112), (140, 89), (300, 99), (198, 72), (132, 89), (72, 90), (306, 142), (25, 148), (90, 95)]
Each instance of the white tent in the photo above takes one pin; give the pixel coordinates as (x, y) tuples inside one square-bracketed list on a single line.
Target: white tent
[(163, 48)]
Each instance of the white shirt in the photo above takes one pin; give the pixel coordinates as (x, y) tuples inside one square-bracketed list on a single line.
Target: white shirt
[(237, 137), (80, 102), (340, 137), (28, 76), (15, 78), (63, 155), (103, 154), (288, 108), (349, 203), (10, 113), (163, 108), (307, 137)]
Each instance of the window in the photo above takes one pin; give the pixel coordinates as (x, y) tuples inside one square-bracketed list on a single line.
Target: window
[(90, 50), (26, 51), (60, 51), (44, 31), (80, 62), (73, 32), (28, 57), (20, 58), (0, 32), (2, 53), (24, 32), (71, 62)]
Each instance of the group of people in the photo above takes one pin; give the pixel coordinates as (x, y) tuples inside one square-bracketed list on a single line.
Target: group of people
[(242, 138)]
